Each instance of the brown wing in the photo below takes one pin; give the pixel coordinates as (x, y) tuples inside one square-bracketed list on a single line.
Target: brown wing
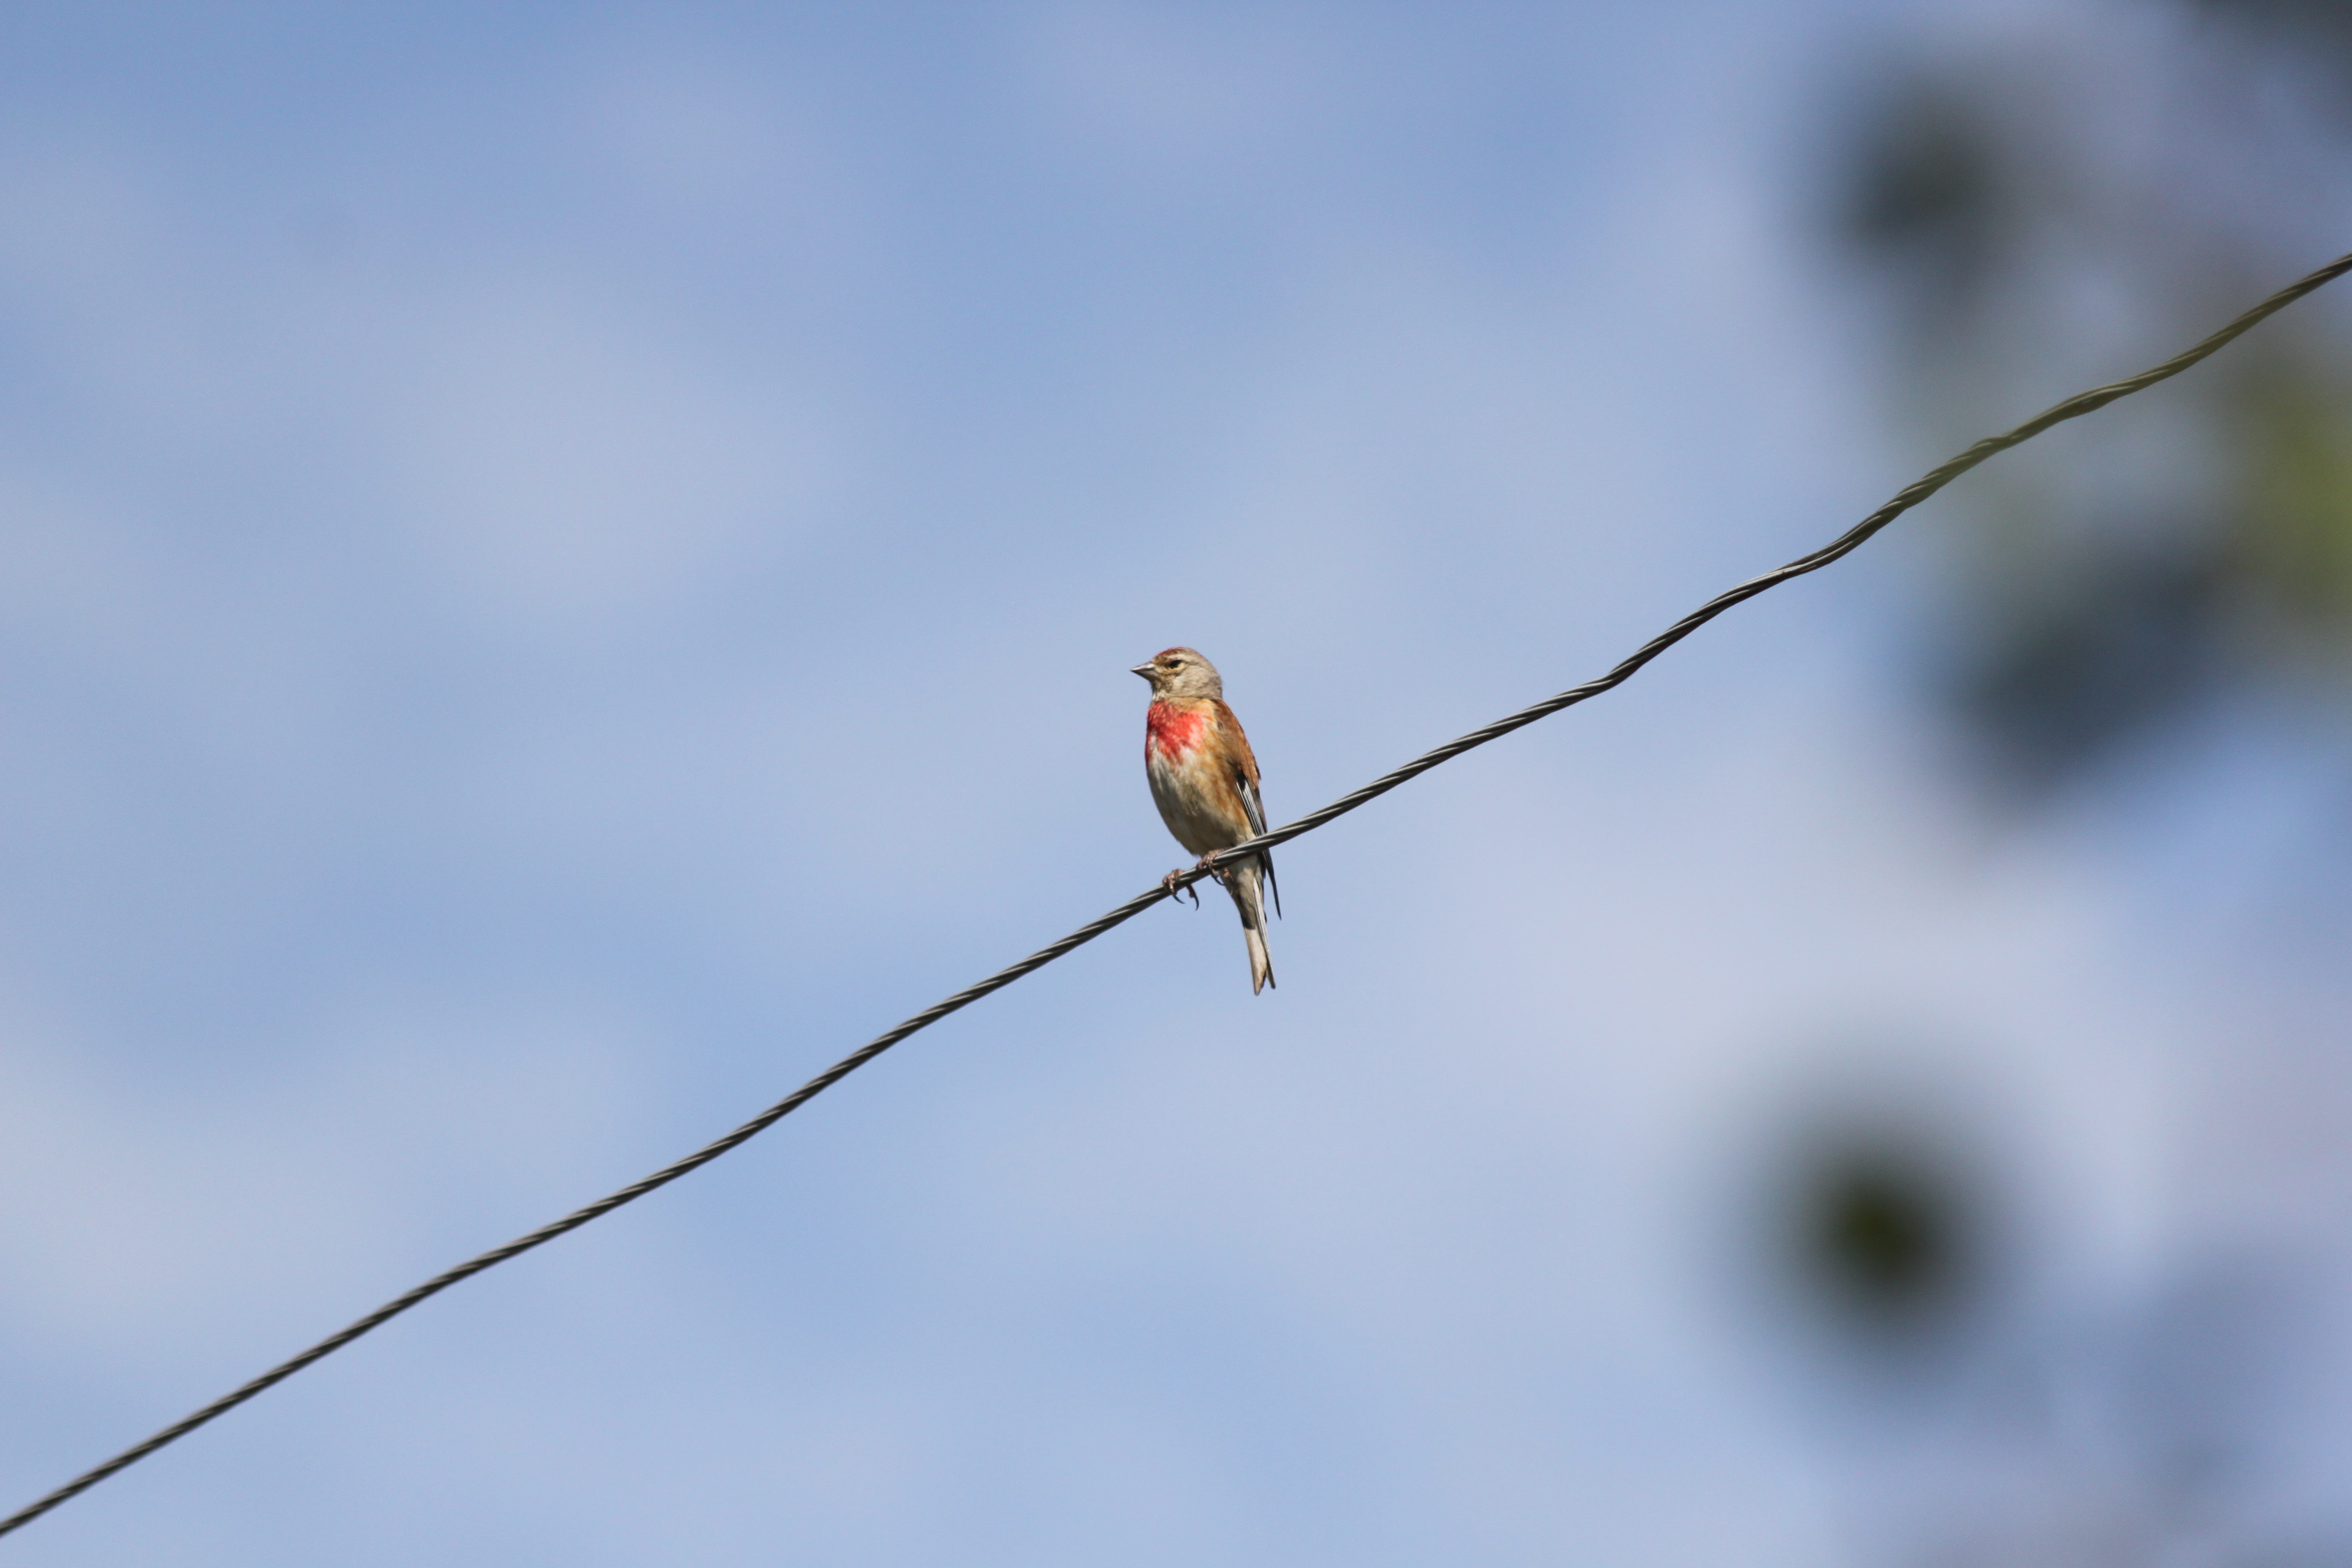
[(1245, 765), (1244, 762)]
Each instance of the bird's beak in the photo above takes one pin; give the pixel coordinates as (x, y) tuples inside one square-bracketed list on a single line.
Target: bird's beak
[(1142, 669)]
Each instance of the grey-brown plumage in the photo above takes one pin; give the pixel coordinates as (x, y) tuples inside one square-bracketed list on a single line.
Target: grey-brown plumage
[(1205, 782)]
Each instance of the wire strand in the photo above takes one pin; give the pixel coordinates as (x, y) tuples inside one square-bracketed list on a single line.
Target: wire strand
[(1836, 550)]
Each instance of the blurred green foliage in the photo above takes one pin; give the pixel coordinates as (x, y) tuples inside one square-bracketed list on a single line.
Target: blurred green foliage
[(2293, 439), (2043, 214)]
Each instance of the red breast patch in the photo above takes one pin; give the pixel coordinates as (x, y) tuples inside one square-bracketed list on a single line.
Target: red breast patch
[(1170, 731)]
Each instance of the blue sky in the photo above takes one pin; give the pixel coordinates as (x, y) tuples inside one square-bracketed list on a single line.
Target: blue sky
[(559, 570)]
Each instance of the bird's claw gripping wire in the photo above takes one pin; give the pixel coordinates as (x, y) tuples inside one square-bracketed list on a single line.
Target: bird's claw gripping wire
[(1169, 882)]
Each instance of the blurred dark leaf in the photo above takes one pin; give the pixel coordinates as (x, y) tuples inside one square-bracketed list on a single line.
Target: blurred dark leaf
[(1930, 192), (2053, 685), (1887, 1236), (2321, 26)]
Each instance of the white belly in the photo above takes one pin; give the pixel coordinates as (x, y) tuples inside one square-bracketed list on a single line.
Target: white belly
[(1184, 788)]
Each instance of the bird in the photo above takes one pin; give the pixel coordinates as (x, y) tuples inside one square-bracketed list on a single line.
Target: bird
[(1204, 782)]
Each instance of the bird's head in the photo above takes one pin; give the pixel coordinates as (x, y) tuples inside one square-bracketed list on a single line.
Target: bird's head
[(1181, 672)]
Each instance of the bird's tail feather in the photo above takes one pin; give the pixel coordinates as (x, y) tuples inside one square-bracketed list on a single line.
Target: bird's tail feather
[(1244, 882)]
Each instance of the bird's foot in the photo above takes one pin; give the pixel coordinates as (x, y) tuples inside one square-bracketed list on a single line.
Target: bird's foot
[(1168, 882)]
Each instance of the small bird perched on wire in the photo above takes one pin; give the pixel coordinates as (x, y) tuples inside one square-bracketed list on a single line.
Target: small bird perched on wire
[(1204, 782)]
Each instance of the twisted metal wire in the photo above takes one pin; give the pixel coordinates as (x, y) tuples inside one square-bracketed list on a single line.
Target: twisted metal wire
[(1837, 549)]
